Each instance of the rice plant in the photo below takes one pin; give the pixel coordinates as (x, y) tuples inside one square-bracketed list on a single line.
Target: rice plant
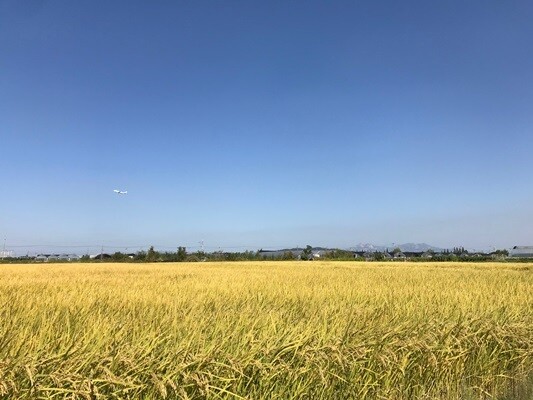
[(267, 330)]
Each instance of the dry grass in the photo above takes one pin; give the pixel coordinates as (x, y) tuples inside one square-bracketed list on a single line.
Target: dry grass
[(268, 330)]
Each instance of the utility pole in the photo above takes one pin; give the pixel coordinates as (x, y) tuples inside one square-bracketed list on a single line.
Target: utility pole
[(4, 251), (102, 253)]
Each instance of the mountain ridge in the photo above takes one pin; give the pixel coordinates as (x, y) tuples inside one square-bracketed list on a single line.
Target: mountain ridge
[(410, 247)]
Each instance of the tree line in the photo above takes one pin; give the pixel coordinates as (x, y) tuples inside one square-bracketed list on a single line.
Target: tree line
[(182, 255)]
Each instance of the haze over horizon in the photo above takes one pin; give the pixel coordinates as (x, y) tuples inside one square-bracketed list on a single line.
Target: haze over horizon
[(279, 124)]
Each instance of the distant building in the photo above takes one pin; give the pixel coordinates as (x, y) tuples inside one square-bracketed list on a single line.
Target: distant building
[(279, 253), (319, 253), (7, 253), (101, 256), (521, 252), (399, 256), (297, 254), (412, 254), (56, 257)]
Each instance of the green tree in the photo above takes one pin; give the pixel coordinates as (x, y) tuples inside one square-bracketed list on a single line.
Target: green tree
[(151, 255), (182, 254), (140, 256), (201, 255), (503, 252), (118, 256), (288, 255), (307, 253)]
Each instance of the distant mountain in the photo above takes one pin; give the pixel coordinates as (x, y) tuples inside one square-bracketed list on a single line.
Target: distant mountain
[(367, 247), (421, 247), (411, 247)]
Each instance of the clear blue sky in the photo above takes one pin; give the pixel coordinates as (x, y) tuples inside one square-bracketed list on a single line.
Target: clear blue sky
[(266, 124)]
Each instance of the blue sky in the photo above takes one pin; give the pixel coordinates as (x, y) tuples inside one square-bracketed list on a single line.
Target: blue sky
[(266, 124)]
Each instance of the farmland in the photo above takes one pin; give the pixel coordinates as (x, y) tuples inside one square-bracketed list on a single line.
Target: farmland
[(267, 330)]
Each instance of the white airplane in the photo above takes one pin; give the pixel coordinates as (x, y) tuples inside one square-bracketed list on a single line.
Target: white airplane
[(120, 191)]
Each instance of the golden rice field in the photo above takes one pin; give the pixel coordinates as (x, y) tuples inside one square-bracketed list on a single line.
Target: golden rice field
[(267, 330)]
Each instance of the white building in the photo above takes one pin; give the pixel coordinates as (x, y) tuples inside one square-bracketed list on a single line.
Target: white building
[(521, 252), (7, 253)]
